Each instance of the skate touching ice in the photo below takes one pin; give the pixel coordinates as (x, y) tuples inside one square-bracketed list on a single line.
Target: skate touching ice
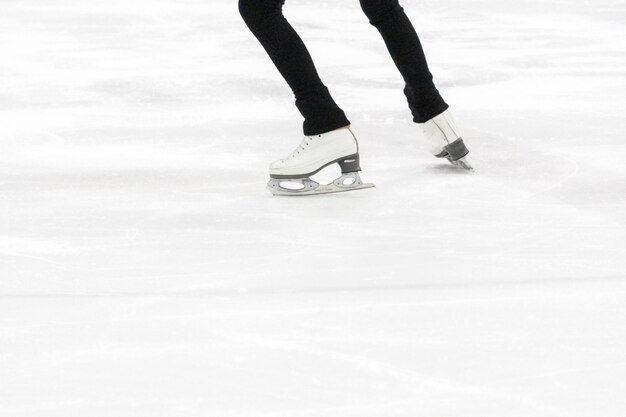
[(315, 153), (444, 141), (323, 117)]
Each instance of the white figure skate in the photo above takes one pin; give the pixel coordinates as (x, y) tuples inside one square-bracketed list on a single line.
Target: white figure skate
[(444, 140), (314, 154)]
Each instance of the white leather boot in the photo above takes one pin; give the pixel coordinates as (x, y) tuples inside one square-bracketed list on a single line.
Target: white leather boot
[(444, 140), (314, 154)]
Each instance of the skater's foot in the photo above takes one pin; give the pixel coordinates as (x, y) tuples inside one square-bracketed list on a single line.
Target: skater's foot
[(315, 153), (444, 140)]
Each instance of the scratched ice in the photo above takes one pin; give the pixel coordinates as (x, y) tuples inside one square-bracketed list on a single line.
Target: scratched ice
[(146, 271)]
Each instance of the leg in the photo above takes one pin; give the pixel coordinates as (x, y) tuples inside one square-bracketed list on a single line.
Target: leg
[(406, 50), (266, 21), (429, 109)]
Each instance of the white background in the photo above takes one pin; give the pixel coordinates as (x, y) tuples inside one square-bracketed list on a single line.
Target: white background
[(145, 270)]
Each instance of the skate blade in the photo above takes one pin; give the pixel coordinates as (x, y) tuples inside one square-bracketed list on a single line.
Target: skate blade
[(322, 189), (311, 187), (462, 163)]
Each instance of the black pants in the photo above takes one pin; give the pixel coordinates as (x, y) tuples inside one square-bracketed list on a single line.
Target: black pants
[(321, 114)]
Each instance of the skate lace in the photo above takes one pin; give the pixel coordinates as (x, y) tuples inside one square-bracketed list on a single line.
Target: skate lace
[(301, 148)]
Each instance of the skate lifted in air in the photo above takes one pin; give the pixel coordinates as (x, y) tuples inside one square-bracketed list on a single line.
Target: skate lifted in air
[(314, 154), (444, 140)]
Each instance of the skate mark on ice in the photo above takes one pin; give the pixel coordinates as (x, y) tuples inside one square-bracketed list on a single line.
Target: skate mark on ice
[(564, 371), (346, 290), (27, 256), (515, 166), (421, 383)]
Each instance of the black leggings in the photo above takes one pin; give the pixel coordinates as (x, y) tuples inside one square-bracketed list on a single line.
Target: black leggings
[(321, 114)]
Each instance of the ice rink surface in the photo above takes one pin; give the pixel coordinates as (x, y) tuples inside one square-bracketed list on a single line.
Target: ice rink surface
[(145, 270)]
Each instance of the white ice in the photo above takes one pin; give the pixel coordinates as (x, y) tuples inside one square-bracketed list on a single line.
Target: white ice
[(146, 271)]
